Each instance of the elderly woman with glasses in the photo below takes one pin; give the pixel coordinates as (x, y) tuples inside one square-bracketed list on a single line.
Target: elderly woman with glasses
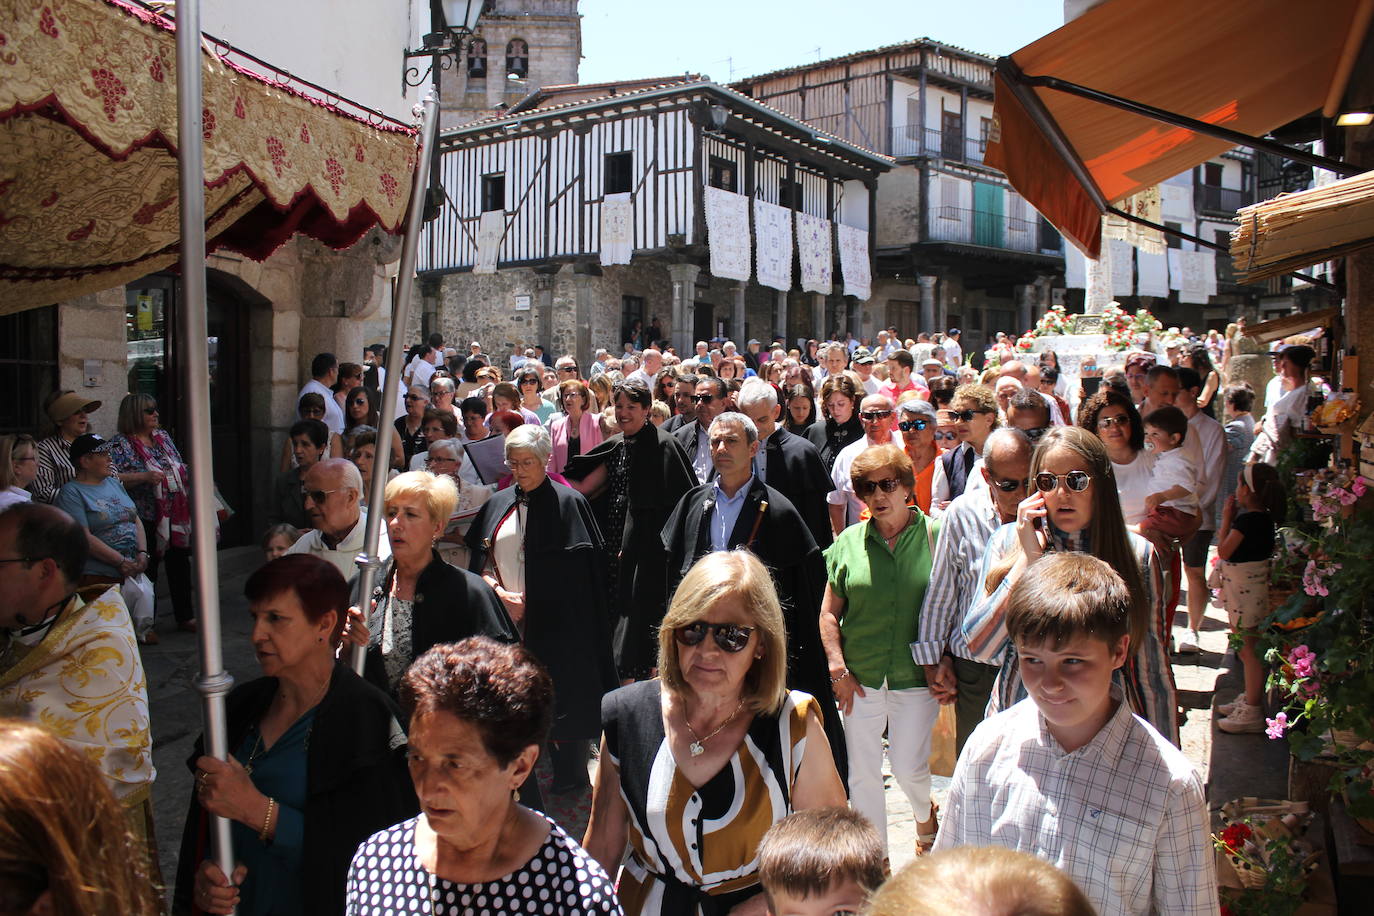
[(18, 467), (158, 480), (698, 763), (877, 572), (410, 425), (421, 600), (917, 422), (447, 458), (537, 545), (576, 430), (1073, 505)]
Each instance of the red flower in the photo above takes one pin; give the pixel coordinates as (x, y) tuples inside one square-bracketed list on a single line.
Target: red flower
[(1234, 836)]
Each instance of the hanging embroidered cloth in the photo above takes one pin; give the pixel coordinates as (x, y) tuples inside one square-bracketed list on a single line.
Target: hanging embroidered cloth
[(88, 172), (1153, 274), (1121, 263), (727, 231), (1075, 268), (773, 244), (617, 228), (1145, 205), (815, 248), (854, 262), (491, 228)]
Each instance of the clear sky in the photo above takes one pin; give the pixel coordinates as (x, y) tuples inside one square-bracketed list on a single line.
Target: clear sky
[(731, 39)]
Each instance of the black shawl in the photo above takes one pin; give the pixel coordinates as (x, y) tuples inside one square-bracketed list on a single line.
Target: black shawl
[(830, 437), (796, 470)]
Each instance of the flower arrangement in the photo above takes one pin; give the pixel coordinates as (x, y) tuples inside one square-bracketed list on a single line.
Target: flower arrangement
[(1121, 328), (1271, 863), (1054, 321), (1026, 342)]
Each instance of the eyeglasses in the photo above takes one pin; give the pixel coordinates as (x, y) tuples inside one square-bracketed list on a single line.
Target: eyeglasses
[(703, 398), (150, 410), (357, 402), (1034, 434), (529, 381), (317, 496), (415, 397), (964, 416), (1007, 486), (865, 487), (523, 464), (948, 435), (907, 426), (572, 369), (730, 637), (873, 416), (1109, 422), (1077, 481), (20, 559)]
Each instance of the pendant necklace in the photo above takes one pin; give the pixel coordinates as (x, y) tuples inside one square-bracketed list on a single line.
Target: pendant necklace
[(695, 748)]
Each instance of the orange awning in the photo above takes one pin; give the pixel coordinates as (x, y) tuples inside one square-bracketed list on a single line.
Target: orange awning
[(88, 168), (1247, 65)]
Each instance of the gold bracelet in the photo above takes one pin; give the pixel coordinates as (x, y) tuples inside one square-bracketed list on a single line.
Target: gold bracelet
[(267, 821)]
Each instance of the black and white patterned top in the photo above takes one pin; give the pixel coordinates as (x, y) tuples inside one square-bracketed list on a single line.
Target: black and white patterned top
[(387, 878)]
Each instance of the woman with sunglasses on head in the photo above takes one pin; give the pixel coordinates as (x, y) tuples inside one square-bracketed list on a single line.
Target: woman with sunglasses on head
[(1112, 417), (1073, 505), (158, 481), (917, 422), (711, 753), (877, 572)]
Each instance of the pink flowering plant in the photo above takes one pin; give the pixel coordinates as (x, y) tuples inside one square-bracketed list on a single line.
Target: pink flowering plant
[(1320, 641)]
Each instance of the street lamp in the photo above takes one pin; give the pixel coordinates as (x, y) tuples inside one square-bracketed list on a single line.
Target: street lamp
[(450, 21)]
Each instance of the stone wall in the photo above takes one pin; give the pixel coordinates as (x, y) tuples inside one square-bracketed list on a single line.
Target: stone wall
[(92, 328)]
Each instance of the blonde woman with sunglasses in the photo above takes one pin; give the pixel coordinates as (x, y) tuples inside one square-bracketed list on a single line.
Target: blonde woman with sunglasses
[(1073, 505)]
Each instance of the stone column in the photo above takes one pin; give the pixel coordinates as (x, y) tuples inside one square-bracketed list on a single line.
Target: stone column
[(1025, 307), (737, 320), (817, 316), (779, 320), (543, 313), (928, 323), (583, 308), (684, 277)]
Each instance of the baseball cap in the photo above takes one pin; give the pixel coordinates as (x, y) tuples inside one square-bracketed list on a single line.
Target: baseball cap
[(754, 341), (952, 331), (68, 404), (864, 355), (90, 442)]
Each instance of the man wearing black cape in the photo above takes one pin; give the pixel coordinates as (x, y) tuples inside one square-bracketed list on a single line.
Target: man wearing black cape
[(786, 462), (562, 610), (633, 479), (736, 510)]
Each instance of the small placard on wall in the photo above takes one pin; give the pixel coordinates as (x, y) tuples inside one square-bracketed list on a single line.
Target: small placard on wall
[(522, 303)]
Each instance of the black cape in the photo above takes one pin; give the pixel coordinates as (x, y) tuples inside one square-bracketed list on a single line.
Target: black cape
[(357, 784), (830, 438), (450, 604), (782, 543), (566, 625), (659, 474), (795, 469)]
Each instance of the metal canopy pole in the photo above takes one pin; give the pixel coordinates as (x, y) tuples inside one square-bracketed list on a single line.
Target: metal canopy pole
[(368, 561), (214, 682)]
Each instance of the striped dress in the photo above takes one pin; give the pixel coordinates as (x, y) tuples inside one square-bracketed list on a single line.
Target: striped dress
[(1147, 679), (694, 850)]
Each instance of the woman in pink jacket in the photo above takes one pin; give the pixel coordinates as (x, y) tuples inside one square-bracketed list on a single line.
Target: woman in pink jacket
[(576, 430)]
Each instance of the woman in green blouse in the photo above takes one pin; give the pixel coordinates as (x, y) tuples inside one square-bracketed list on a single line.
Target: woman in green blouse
[(877, 573)]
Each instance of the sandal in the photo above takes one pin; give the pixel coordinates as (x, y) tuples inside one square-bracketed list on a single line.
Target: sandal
[(925, 839)]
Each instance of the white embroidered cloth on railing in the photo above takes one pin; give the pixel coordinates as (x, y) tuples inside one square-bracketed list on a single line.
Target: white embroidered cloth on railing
[(816, 248), (854, 262), (491, 228), (617, 228), (773, 244), (727, 228)]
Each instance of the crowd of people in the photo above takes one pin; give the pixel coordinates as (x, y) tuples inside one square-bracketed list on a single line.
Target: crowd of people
[(739, 578)]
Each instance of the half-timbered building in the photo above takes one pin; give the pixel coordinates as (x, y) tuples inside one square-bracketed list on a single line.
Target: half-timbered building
[(685, 205)]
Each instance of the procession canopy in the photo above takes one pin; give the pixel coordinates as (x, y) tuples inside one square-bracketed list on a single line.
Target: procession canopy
[(88, 169), (1247, 65)]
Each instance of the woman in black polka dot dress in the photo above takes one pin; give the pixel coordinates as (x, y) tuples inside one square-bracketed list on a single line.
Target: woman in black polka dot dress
[(480, 710)]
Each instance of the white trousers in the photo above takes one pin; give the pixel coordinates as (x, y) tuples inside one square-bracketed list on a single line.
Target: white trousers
[(908, 716)]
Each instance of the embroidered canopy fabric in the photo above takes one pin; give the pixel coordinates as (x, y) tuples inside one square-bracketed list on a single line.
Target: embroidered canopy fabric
[(88, 169), (816, 252), (617, 228), (854, 262), (727, 231), (773, 242), (1248, 65)]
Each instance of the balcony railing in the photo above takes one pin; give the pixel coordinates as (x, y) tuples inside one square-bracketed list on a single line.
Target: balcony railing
[(992, 230), (1221, 200), (912, 140)]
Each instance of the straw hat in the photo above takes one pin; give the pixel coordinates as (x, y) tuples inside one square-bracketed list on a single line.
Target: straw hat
[(68, 404)]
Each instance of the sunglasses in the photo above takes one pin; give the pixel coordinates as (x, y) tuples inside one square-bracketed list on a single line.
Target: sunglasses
[(568, 369), (964, 416), (948, 435), (1007, 486), (150, 410), (357, 401), (865, 487), (1077, 481), (730, 637), (415, 397), (317, 496), (907, 426), (1109, 422), (703, 398), (873, 416), (1034, 434)]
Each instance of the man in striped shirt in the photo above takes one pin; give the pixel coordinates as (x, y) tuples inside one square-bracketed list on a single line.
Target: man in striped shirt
[(1079, 780)]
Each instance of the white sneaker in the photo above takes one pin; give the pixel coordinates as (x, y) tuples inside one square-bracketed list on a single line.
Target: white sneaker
[(1236, 702), (1188, 645), (1243, 720)]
